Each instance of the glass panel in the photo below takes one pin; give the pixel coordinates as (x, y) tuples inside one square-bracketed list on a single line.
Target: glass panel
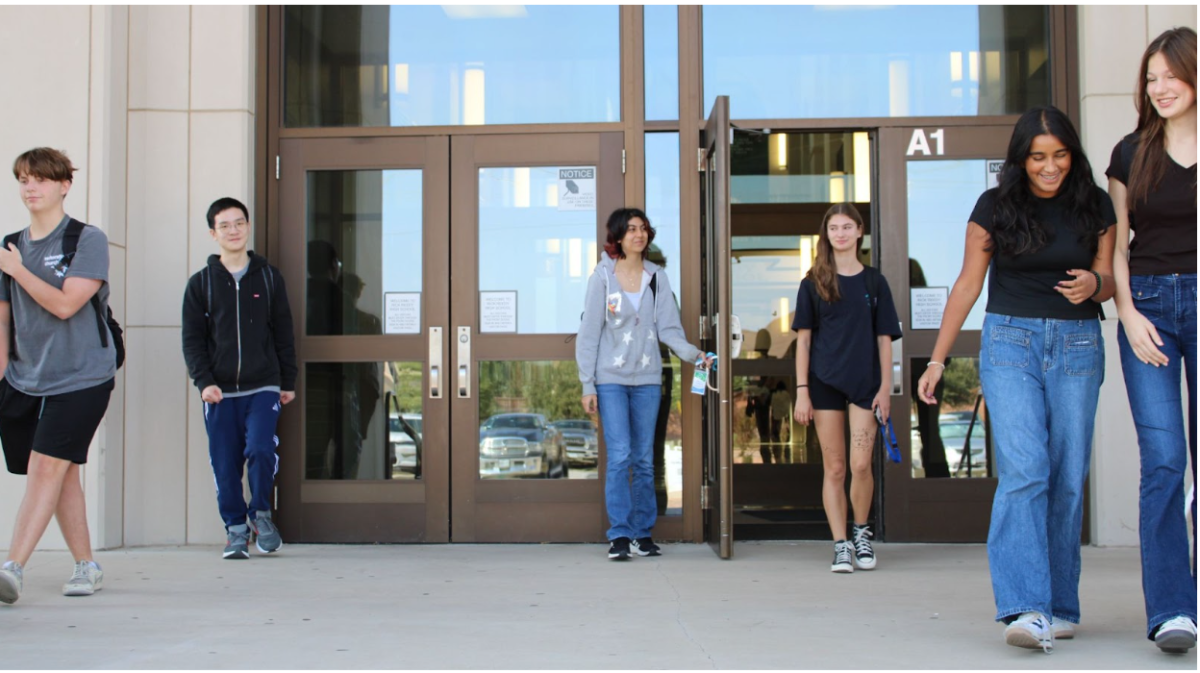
[(660, 29), (959, 415), (786, 167), (364, 242), (668, 439), (532, 423), (537, 237), (362, 420), (662, 203), (941, 196), (450, 65), (876, 61), (764, 430)]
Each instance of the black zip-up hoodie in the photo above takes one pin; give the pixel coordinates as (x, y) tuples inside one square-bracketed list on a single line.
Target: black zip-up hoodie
[(238, 335)]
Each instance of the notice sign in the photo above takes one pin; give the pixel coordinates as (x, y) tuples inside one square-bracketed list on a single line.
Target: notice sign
[(928, 304), (403, 312), (498, 312), (993, 172), (577, 188)]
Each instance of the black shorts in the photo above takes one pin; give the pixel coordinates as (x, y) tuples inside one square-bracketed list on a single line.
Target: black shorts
[(827, 398), (60, 426)]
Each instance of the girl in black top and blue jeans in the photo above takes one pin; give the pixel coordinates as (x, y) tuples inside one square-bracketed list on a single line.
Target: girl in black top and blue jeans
[(845, 323)]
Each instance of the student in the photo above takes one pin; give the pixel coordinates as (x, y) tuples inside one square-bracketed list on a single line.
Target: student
[(1152, 181), (627, 312), (1046, 234), (237, 341), (60, 371), (845, 323)]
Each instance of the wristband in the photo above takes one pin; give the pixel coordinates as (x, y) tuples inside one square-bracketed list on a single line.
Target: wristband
[(802, 385), (935, 362), (1099, 284)]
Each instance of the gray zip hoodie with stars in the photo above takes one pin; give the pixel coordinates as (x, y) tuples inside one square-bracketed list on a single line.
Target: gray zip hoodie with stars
[(618, 345)]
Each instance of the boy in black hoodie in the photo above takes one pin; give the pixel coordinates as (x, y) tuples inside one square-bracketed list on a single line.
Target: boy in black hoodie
[(240, 352)]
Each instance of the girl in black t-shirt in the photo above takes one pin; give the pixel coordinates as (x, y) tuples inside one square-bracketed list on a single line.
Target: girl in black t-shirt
[(845, 323), (1046, 235), (1152, 180)]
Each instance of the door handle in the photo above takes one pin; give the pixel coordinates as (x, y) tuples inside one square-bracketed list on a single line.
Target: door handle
[(435, 363), (464, 362)]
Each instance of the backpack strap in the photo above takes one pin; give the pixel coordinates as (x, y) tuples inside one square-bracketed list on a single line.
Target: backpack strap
[(69, 245), (15, 240)]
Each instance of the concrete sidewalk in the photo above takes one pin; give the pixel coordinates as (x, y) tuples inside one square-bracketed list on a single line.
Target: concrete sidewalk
[(555, 606)]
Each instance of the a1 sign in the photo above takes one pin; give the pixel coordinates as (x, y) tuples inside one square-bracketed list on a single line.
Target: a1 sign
[(919, 143)]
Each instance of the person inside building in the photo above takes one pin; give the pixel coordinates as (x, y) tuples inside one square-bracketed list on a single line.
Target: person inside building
[(1046, 236), (1152, 181), (58, 372), (628, 310), (240, 353), (845, 323)]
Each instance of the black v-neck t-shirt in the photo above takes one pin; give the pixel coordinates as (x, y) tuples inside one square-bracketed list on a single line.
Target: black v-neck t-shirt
[(1164, 224), (1023, 285)]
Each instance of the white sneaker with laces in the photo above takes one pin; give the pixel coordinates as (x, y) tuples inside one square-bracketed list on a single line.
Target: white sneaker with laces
[(1032, 631), (87, 580), (1063, 629), (1176, 635)]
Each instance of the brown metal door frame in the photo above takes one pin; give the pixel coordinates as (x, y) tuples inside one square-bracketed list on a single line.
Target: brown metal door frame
[(516, 510), (926, 510), (367, 510)]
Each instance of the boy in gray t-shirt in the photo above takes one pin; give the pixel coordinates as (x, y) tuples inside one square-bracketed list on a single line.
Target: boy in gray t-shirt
[(58, 368)]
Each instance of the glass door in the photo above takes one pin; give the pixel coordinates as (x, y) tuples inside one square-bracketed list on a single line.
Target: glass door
[(526, 231), (363, 244), (715, 304)]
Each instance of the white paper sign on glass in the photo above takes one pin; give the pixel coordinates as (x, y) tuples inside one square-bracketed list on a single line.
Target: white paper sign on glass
[(577, 188), (498, 312), (928, 304), (403, 312)]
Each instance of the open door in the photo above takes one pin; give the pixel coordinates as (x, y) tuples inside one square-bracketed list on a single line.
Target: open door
[(715, 305)]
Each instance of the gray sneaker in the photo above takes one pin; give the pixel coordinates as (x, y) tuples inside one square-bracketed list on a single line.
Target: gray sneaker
[(239, 538), (86, 581), (266, 535), (11, 580)]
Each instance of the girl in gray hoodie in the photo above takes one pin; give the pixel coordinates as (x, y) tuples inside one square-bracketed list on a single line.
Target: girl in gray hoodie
[(627, 311)]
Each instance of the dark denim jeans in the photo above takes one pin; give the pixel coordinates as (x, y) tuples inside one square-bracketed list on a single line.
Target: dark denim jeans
[(627, 416), (1041, 379), (1168, 582)]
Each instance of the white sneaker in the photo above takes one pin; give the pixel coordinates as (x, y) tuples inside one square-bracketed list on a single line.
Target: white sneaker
[(1177, 635), (11, 580), (1031, 630), (86, 581), (843, 557), (1063, 629)]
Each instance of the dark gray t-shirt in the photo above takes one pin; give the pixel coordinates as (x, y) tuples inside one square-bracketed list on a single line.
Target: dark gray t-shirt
[(59, 356)]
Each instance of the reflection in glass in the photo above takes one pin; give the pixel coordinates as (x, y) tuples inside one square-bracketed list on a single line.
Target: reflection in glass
[(764, 431), (520, 406), (960, 446), (363, 241), (662, 203), (362, 420), (668, 440), (450, 65), (660, 26), (538, 241), (941, 196), (783, 167), (829, 61)]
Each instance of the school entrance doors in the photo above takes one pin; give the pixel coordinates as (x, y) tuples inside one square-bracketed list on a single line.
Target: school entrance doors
[(436, 284)]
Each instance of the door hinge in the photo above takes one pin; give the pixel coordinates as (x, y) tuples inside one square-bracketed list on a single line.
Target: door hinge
[(622, 162), (700, 152), (276, 166)]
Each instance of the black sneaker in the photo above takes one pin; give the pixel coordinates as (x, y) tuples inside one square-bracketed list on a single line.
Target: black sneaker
[(843, 557), (619, 549), (864, 554), (644, 546)]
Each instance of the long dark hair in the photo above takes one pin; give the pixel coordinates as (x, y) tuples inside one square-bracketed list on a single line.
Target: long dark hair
[(1015, 229), (823, 273), (1178, 49)]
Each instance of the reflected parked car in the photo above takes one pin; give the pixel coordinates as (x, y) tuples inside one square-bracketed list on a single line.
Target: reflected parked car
[(579, 436), (404, 438), (954, 435), (521, 445)]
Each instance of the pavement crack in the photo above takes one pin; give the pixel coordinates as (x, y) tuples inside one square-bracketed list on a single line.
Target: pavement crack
[(679, 616)]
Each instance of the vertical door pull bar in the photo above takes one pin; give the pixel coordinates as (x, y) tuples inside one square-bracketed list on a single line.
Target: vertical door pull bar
[(435, 363), (464, 362)]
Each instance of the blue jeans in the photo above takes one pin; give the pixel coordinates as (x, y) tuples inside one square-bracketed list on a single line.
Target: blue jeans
[(1041, 379), (1169, 584), (627, 417), (241, 432)]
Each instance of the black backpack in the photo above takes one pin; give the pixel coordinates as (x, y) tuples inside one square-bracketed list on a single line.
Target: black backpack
[(106, 324)]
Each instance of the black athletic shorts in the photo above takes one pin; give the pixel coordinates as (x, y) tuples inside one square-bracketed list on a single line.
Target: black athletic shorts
[(827, 398), (60, 426)]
